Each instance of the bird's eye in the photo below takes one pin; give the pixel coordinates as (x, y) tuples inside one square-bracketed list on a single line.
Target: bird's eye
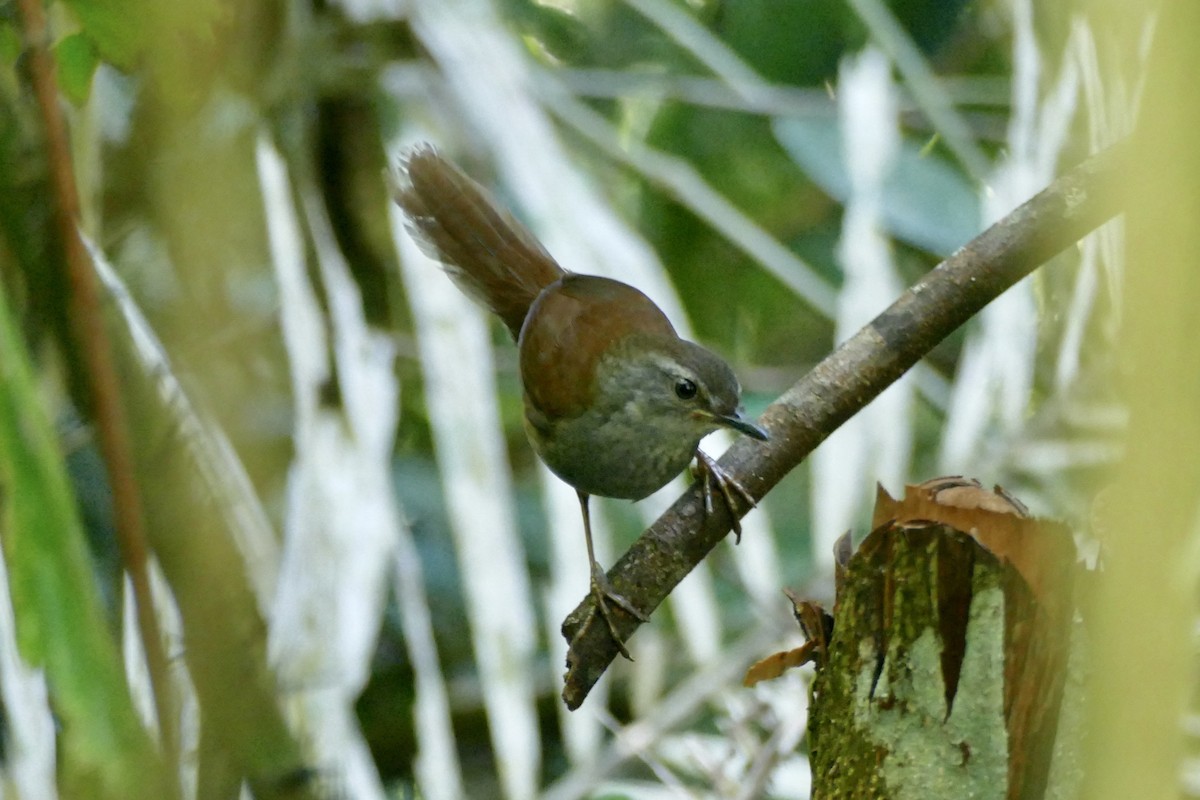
[(685, 389)]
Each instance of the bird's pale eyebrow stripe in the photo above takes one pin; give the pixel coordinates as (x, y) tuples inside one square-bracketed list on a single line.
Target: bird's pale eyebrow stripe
[(674, 368)]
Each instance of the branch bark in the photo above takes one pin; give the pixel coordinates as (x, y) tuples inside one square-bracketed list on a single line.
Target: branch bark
[(849, 378)]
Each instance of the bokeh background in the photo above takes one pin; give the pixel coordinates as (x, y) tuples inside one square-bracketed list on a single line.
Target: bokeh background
[(361, 568)]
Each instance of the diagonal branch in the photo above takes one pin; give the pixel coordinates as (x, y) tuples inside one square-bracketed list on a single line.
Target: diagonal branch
[(837, 388)]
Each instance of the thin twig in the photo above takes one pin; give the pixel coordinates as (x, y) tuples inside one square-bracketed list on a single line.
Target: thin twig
[(92, 342), (699, 41), (769, 100), (849, 378)]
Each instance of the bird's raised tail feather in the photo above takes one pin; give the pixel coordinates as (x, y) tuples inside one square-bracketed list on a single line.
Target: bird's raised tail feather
[(492, 257)]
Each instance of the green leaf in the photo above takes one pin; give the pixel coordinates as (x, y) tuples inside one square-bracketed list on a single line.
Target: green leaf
[(77, 61), (926, 201), (119, 28), (60, 625), (10, 44), (10, 51), (124, 30)]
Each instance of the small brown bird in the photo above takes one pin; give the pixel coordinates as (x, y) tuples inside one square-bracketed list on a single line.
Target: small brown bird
[(615, 402)]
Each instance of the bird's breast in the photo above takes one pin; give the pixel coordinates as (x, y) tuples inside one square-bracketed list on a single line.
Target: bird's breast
[(610, 455)]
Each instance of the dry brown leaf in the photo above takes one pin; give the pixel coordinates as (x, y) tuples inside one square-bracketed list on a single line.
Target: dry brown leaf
[(776, 664), (1039, 549), (817, 627)]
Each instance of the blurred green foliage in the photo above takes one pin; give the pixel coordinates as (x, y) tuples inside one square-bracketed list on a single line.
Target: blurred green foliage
[(77, 61), (60, 622)]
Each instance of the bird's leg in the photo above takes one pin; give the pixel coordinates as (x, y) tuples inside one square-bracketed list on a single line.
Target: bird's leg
[(727, 485), (603, 590)]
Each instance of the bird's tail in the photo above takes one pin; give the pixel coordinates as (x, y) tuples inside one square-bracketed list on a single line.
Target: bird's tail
[(491, 257)]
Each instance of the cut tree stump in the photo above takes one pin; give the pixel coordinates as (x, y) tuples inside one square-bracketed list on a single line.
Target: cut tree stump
[(951, 645)]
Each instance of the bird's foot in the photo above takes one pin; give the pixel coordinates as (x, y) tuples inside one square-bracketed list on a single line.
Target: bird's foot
[(710, 473), (604, 592)]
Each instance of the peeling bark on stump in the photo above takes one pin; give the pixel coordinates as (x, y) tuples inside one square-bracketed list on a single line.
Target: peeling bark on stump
[(944, 676)]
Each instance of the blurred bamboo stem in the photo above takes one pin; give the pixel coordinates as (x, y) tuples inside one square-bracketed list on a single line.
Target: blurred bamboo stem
[(926, 88), (340, 521), (460, 393), (719, 57), (1147, 519), (91, 340)]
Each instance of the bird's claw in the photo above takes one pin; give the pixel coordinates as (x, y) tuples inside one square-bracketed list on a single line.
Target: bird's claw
[(710, 473), (603, 592)]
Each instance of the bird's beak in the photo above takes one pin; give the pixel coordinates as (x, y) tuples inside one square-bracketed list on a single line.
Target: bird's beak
[(739, 423)]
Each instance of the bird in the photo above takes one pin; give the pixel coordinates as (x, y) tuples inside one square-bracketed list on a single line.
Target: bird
[(615, 401)]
